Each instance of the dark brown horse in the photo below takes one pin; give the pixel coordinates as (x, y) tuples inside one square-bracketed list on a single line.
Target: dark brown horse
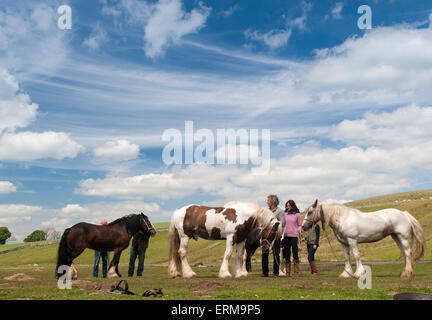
[(112, 237)]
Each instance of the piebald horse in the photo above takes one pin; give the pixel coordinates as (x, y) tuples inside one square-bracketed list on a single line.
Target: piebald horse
[(352, 226), (233, 222)]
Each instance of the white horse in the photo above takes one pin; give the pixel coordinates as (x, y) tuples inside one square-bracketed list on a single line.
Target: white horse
[(232, 222), (352, 226)]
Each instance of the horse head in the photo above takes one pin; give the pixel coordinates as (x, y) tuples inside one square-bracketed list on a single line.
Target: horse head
[(269, 234), (146, 225), (312, 215)]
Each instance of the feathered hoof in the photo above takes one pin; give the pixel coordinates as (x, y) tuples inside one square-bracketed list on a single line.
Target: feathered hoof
[(241, 275), (189, 275), (406, 274), (344, 275), (225, 275)]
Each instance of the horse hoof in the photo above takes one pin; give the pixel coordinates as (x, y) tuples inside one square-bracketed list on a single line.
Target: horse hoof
[(344, 275), (225, 276), (406, 275), (189, 275), (240, 275)]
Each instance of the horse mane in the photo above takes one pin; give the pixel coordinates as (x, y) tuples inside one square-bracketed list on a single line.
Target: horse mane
[(334, 212), (264, 217), (131, 221)]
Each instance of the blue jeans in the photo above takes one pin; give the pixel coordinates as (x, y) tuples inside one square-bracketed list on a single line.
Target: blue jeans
[(134, 252), (311, 252), (104, 256)]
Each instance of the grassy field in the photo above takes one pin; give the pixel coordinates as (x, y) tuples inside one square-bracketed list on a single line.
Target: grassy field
[(8, 246), (207, 285), (38, 263)]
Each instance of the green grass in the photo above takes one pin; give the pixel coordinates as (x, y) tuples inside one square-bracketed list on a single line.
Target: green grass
[(8, 246), (161, 224), (207, 285)]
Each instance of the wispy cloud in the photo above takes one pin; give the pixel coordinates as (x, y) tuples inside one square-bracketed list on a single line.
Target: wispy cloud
[(97, 38), (336, 11)]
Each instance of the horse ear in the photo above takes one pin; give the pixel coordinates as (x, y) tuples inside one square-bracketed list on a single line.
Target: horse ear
[(315, 203), (142, 214)]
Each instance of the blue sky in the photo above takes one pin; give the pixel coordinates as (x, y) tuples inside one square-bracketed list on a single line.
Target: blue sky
[(84, 109)]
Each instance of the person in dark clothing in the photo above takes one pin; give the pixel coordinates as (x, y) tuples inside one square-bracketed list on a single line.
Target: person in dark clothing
[(98, 255), (273, 202), (138, 249), (312, 242)]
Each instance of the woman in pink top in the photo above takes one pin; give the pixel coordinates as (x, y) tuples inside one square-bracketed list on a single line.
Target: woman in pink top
[(291, 230)]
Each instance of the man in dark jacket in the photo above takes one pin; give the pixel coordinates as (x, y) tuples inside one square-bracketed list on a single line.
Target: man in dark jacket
[(312, 245), (138, 248)]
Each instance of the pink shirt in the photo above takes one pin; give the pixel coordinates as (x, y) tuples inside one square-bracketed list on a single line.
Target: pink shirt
[(292, 224)]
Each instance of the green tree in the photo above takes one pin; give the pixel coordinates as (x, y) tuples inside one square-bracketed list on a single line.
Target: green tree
[(37, 235), (4, 234)]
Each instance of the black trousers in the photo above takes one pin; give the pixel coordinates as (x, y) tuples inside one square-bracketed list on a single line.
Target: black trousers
[(276, 259), (289, 243)]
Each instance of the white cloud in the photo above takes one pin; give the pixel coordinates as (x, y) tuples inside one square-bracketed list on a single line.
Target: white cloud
[(16, 109), (306, 172), (388, 65), (97, 38), (169, 23), (300, 21), (95, 212), (407, 126), (13, 213), (336, 11), (117, 150), (278, 38), (274, 39), (30, 42), (164, 22), (27, 146), (7, 187), (230, 11)]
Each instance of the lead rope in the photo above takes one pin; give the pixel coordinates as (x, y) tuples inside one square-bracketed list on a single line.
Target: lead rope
[(334, 254)]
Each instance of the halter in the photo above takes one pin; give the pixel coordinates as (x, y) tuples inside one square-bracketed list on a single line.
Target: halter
[(148, 227), (313, 217)]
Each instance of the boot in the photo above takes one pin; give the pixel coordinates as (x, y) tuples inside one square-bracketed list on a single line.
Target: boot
[(296, 267), (288, 268), (314, 269)]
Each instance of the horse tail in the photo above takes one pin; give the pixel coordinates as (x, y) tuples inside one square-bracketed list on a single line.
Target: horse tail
[(174, 246), (63, 255), (418, 237)]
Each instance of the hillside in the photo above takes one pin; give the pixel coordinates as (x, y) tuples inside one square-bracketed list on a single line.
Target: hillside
[(418, 203)]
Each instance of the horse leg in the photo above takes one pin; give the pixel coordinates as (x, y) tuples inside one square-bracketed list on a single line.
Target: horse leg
[(348, 270), (186, 268), (75, 252), (405, 248), (359, 267), (224, 272), (282, 267), (74, 272), (113, 267), (239, 270)]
